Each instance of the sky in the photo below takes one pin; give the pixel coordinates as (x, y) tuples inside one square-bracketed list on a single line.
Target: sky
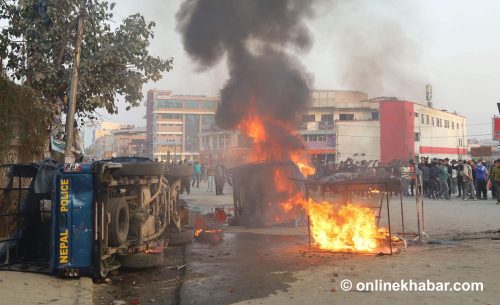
[(382, 47)]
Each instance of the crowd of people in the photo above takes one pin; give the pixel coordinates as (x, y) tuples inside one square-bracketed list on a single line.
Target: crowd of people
[(437, 178), (215, 176), (434, 178)]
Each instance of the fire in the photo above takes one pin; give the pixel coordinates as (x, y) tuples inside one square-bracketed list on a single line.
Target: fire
[(280, 181), (303, 164), (347, 228), (350, 228), (254, 128)]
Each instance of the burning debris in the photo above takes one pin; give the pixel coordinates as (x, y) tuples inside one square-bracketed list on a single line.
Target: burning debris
[(213, 236), (266, 91)]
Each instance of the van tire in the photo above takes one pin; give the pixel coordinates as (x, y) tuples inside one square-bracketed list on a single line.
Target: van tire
[(120, 222)]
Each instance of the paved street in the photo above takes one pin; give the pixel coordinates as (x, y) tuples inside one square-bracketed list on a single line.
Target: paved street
[(274, 266)]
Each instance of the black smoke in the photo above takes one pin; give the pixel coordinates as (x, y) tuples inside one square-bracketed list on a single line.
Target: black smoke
[(256, 37)]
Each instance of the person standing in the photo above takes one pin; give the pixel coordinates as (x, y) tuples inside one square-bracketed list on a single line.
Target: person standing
[(220, 179), (426, 177), (460, 178), (197, 174), (495, 179), (448, 167), (210, 175), (442, 177), (481, 180), (468, 192), (454, 177), (405, 179)]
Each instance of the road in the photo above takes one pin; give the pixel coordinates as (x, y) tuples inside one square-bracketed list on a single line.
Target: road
[(274, 266)]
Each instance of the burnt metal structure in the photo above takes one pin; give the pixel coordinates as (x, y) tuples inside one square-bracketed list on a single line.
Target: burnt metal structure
[(385, 186), (254, 191)]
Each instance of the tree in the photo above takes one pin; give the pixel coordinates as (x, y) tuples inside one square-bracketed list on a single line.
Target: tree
[(115, 60), (23, 130)]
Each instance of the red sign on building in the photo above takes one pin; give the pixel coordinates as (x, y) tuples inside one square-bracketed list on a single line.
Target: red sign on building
[(496, 129)]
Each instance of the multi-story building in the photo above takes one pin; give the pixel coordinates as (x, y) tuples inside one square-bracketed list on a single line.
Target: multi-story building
[(124, 141), (318, 126), (384, 129), (346, 124), (174, 123), (130, 142)]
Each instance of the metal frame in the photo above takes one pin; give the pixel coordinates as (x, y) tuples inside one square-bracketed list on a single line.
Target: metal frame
[(386, 192), (21, 194)]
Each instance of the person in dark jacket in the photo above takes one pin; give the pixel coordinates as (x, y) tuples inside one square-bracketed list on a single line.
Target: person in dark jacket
[(481, 180)]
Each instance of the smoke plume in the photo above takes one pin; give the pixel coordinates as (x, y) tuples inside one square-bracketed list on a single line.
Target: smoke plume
[(255, 37), (374, 49)]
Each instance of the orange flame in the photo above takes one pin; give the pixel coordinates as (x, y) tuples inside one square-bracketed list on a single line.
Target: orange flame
[(350, 228), (303, 163), (253, 127)]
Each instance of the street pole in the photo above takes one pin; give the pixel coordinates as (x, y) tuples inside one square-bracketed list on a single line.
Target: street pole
[(70, 116)]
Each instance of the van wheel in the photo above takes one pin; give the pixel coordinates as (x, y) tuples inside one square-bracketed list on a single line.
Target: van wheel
[(120, 222)]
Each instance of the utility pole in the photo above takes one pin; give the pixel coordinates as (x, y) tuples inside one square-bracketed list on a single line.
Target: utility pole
[(70, 116)]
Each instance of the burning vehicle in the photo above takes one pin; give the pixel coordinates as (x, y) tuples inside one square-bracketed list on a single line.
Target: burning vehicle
[(267, 90)]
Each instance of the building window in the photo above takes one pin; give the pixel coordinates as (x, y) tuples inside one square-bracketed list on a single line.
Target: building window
[(222, 141), (327, 118), (191, 104), (452, 125), (322, 138), (346, 117), (169, 116), (432, 121), (313, 138), (215, 142), (422, 121), (208, 105), (207, 122), (417, 137), (169, 104), (192, 130), (308, 118), (375, 116), (427, 119), (416, 114)]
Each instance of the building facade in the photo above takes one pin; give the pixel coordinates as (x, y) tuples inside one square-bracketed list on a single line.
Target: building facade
[(117, 140), (346, 124), (320, 123), (174, 123)]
